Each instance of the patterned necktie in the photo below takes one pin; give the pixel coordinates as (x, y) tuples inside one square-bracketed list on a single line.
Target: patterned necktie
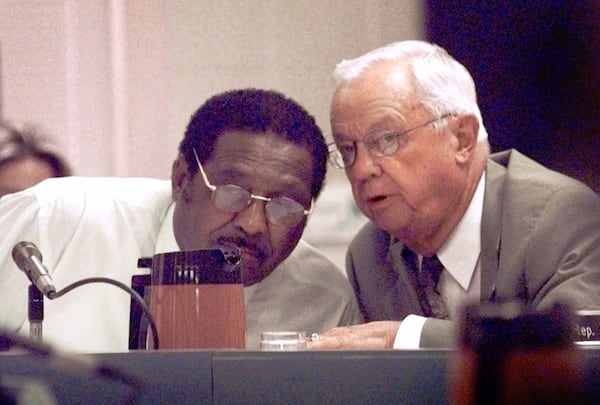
[(431, 268)]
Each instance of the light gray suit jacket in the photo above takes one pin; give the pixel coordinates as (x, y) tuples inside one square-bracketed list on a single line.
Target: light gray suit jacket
[(540, 243)]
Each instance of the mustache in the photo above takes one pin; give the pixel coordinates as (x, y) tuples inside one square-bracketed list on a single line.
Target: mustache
[(256, 247)]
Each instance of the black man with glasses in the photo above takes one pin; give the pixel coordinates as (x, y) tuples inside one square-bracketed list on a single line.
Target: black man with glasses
[(249, 170), (450, 224)]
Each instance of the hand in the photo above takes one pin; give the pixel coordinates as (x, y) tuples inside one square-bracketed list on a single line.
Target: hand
[(372, 335)]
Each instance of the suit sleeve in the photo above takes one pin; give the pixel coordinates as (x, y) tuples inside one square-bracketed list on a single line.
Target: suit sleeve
[(439, 334)]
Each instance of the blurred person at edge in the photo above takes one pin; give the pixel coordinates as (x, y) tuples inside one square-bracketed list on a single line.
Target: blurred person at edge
[(26, 158), (410, 136), (249, 169)]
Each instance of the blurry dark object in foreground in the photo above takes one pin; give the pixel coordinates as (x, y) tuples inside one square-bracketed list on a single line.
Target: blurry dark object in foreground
[(510, 354)]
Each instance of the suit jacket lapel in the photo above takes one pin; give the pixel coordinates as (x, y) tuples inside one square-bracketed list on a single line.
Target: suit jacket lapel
[(491, 223)]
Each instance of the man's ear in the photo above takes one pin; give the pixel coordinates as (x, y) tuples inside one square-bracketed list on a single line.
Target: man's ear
[(465, 131), (180, 177)]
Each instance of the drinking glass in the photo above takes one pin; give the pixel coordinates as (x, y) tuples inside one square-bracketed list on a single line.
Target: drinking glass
[(283, 341)]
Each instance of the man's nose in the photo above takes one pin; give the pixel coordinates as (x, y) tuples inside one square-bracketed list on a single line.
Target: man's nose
[(365, 164), (253, 218)]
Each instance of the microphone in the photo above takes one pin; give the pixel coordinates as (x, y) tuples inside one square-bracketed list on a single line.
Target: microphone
[(29, 260)]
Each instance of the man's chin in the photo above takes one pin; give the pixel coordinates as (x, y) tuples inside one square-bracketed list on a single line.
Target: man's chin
[(248, 282), (251, 277), (399, 230)]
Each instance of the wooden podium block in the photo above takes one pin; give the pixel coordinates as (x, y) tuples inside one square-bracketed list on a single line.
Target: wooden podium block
[(196, 299), (209, 316)]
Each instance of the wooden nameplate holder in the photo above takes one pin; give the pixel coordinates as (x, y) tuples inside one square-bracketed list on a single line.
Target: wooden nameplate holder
[(196, 299)]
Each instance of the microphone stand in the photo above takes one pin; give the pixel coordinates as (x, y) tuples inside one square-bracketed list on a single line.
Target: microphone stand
[(35, 313)]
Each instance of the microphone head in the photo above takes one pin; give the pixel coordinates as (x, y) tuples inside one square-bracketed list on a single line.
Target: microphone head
[(24, 250)]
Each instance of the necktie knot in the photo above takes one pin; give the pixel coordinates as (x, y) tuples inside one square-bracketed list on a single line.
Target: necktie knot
[(427, 279)]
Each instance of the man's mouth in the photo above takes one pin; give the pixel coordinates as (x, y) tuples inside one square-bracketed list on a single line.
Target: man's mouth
[(375, 199), (242, 248)]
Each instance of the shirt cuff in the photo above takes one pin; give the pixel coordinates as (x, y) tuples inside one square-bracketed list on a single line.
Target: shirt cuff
[(408, 336)]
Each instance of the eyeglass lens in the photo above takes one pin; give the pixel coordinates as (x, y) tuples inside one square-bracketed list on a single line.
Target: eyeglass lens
[(382, 145), (232, 198), (280, 210)]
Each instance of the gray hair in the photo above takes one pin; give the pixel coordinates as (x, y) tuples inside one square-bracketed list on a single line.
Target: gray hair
[(442, 84)]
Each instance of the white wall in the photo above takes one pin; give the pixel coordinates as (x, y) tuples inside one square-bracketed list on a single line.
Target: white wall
[(116, 81)]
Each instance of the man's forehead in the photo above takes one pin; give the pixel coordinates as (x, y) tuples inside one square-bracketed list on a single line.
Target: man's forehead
[(378, 98), (262, 146), (261, 155)]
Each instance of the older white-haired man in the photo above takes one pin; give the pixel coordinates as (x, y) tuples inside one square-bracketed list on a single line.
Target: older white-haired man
[(450, 223)]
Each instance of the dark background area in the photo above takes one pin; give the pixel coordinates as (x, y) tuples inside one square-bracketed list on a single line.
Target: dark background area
[(536, 65)]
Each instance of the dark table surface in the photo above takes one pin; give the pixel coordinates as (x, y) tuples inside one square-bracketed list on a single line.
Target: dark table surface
[(226, 377)]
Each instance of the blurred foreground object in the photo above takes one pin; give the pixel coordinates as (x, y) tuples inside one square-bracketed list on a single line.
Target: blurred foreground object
[(509, 354)]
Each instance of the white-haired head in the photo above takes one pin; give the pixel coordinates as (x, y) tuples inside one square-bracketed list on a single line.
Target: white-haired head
[(442, 84)]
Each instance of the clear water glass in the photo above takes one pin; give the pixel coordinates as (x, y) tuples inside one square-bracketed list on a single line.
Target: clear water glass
[(283, 341)]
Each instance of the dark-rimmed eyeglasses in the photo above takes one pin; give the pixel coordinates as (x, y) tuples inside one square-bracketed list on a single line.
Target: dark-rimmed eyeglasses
[(343, 154), (233, 199)]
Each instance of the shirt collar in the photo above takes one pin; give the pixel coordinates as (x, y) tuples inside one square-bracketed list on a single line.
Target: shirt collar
[(460, 253)]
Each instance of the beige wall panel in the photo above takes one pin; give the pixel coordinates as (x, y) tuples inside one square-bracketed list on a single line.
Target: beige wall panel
[(116, 81)]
